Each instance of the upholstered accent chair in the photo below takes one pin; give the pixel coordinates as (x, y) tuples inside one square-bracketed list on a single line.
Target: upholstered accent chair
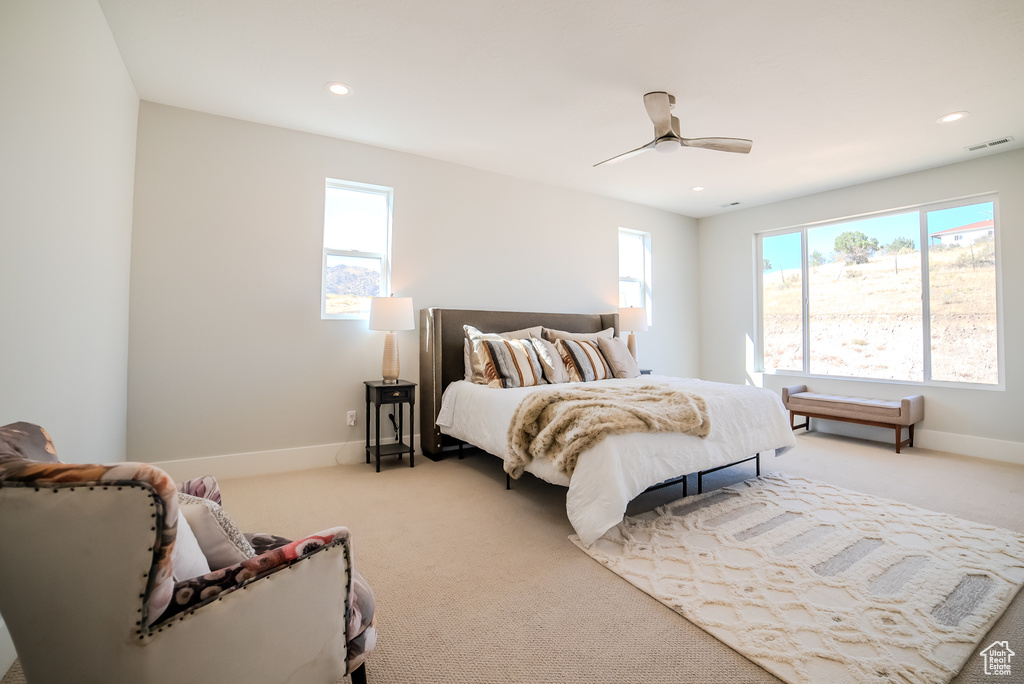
[(90, 595)]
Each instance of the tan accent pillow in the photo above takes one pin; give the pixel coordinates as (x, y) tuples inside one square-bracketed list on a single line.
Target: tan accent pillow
[(474, 356), (553, 335), (583, 360), (550, 361), (222, 542), (616, 353), (523, 334)]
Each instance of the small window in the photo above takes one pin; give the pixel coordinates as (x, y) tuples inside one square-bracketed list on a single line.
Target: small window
[(357, 248), (635, 270)]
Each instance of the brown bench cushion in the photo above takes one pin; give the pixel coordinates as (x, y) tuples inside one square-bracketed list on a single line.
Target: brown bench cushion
[(906, 411)]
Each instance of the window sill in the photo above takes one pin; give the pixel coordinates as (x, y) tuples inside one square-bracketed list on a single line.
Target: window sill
[(1001, 387), (344, 317)]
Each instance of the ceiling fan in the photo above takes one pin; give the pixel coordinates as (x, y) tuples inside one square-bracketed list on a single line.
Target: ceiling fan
[(666, 132)]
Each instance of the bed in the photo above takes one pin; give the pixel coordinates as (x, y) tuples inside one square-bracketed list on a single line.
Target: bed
[(744, 420)]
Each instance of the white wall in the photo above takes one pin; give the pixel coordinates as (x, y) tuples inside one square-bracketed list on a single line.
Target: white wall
[(228, 353), (976, 422), (67, 135)]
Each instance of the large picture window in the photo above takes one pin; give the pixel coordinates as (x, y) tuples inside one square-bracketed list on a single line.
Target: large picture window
[(357, 248), (906, 295)]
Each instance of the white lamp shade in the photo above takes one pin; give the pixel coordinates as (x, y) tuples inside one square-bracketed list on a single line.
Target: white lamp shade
[(391, 313), (634, 318)]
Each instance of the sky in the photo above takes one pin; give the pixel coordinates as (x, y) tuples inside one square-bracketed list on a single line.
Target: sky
[(783, 251), (355, 220)]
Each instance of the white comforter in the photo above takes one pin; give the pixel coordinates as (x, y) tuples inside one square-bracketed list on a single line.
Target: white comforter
[(744, 421)]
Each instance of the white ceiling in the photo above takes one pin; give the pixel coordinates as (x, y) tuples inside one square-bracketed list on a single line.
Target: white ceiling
[(833, 92)]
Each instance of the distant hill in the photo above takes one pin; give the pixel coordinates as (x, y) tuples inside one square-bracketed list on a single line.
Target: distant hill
[(361, 282)]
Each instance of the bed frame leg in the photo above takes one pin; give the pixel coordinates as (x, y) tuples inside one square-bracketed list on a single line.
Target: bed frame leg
[(700, 483), (684, 486), (461, 443), (757, 462), (508, 482)]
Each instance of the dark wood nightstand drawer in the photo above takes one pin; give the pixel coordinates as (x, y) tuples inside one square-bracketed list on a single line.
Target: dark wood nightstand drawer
[(395, 396)]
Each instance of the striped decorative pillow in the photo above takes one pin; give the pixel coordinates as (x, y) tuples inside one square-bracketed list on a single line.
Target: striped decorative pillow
[(511, 363), (474, 355), (583, 360)]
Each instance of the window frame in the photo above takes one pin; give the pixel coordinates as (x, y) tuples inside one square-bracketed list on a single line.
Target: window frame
[(922, 210), (385, 257), (646, 289)]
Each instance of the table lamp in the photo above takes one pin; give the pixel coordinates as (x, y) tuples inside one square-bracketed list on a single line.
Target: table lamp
[(388, 314), (632, 319)]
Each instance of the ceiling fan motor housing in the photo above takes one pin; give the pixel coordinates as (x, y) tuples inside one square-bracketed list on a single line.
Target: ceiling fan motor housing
[(666, 145)]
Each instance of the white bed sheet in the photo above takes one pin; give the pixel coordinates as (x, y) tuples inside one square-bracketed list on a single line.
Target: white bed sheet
[(744, 421)]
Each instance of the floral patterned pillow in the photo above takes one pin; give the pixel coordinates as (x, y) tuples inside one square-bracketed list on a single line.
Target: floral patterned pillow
[(205, 487), (27, 441)]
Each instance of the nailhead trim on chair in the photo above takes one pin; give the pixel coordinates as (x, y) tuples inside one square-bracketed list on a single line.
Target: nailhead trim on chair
[(321, 549), (70, 487)]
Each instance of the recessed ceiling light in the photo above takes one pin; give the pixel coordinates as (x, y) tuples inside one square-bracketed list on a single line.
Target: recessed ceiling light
[(950, 118), (339, 88), (697, 188)]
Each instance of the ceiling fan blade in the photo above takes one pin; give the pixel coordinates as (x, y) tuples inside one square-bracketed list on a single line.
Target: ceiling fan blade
[(627, 155), (740, 145), (659, 107)]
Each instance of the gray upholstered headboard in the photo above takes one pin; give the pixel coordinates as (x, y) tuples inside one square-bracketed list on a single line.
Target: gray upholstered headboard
[(441, 360)]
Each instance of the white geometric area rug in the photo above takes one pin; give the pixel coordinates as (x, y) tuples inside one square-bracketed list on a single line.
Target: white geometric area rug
[(820, 584)]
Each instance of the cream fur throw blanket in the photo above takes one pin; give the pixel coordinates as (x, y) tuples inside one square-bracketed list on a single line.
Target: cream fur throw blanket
[(561, 424)]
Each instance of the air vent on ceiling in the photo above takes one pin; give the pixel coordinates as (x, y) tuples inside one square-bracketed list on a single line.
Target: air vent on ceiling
[(730, 204), (990, 143)]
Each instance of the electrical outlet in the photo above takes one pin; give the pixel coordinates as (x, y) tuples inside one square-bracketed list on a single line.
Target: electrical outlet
[(351, 417)]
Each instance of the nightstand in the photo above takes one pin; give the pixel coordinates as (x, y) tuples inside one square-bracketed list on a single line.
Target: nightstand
[(395, 395), (645, 371)]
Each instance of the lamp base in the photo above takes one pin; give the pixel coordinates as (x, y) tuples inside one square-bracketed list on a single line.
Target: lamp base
[(389, 366), (631, 345)]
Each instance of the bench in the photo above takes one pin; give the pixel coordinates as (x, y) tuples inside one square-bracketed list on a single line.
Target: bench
[(899, 414)]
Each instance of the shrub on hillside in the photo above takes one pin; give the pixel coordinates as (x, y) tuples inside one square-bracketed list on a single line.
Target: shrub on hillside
[(981, 253), (855, 247)]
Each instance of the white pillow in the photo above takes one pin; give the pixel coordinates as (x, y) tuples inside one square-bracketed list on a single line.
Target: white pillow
[(222, 542), (616, 353), (555, 335), (187, 559)]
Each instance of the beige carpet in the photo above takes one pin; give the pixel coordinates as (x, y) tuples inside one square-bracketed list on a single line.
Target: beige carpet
[(476, 584), (816, 583)]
